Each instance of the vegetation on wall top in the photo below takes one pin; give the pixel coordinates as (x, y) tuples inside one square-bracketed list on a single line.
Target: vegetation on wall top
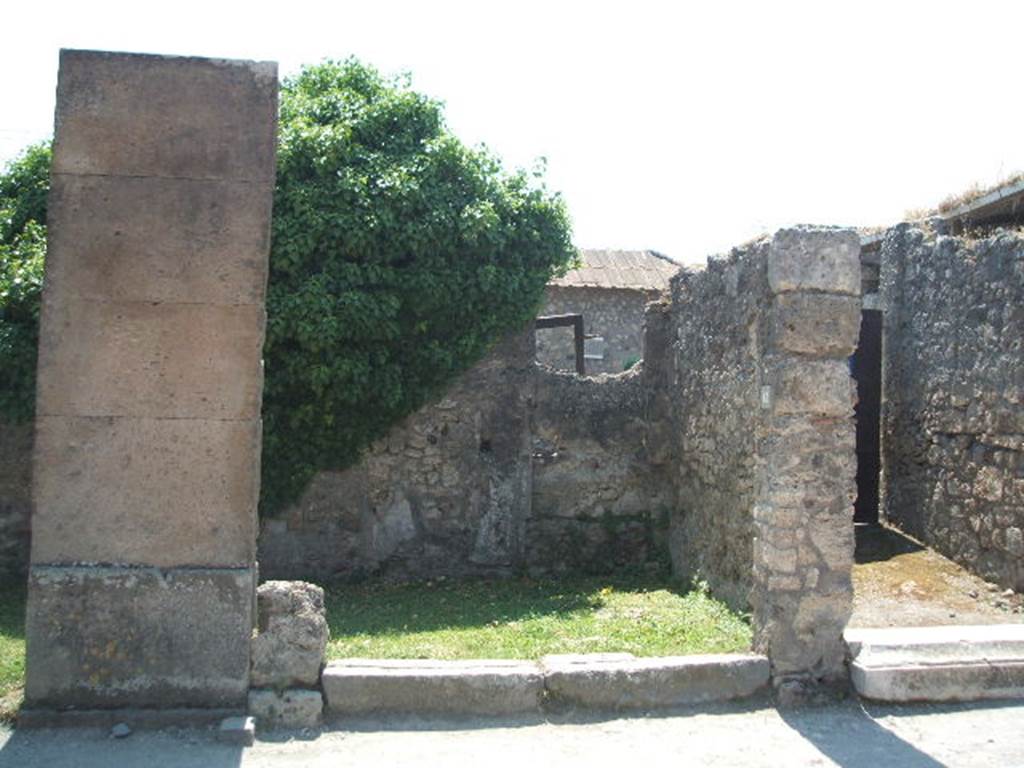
[(399, 256)]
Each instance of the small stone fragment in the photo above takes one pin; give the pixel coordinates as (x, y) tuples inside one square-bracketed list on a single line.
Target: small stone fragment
[(120, 731)]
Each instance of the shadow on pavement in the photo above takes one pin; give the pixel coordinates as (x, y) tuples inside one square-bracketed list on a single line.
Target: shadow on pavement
[(876, 543), (94, 748), (861, 742)]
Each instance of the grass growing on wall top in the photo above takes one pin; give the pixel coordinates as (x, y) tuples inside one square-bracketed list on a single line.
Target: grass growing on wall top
[(526, 619)]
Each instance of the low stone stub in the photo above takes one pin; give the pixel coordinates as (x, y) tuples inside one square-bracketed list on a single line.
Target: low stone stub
[(288, 650), (203, 118), (814, 259), (163, 492), (142, 635)]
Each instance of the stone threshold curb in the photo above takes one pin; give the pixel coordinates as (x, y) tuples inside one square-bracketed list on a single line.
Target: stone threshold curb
[(588, 681), (966, 663)]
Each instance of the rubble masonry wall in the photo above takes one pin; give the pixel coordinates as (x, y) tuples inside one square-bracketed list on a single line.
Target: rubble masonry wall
[(766, 465), (953, 397)]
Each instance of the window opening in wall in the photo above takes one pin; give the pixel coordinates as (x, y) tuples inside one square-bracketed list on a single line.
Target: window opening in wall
[(574, 320)]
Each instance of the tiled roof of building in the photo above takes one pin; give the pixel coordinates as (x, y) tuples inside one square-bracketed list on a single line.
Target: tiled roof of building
[(634, 270)]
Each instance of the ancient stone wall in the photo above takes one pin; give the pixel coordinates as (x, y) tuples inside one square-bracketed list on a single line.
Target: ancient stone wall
[(716, 408), (446, 492), (615, 315), (953, 398), (147, 442), (15, 499), (600, 498), (517, 467), (766, 441)]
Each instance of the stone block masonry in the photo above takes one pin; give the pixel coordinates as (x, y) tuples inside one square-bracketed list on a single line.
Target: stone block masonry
[(805, 460), (953, 395), (766, 442), (146, 471)]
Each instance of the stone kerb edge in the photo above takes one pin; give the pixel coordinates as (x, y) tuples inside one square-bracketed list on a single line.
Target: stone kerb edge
[(613, 682)]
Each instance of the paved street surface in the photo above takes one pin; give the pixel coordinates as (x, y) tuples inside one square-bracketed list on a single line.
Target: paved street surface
[(752, 735)]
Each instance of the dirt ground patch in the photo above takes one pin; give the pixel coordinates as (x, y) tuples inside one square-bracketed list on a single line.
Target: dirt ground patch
[(899, 582)]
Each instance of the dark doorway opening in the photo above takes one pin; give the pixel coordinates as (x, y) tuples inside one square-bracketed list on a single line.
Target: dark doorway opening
[(866, 367)]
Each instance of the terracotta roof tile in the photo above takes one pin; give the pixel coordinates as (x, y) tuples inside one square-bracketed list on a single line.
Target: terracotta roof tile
[(636, 270)]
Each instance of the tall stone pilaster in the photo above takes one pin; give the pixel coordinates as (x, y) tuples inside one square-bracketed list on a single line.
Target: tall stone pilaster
[(803, 514), (146, 473)]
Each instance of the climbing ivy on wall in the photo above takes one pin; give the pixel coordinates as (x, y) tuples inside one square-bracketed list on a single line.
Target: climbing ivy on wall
[(399, 256)]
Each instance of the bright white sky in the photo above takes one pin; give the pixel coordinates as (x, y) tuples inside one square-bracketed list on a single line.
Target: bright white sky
[(683, 127)]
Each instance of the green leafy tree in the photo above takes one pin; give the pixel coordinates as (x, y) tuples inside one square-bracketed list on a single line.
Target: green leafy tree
[(23, 190), (399, 256)]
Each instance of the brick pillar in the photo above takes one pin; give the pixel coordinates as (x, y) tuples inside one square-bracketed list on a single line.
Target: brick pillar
[(150, 378), (806, 464)]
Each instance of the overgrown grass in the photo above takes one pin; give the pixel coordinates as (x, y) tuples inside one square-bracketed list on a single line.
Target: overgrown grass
[(968, 195), (525, 619), (12, 650)]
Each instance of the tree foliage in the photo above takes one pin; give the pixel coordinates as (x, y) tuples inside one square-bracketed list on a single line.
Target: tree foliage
[(23, 190), (399, 256)]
